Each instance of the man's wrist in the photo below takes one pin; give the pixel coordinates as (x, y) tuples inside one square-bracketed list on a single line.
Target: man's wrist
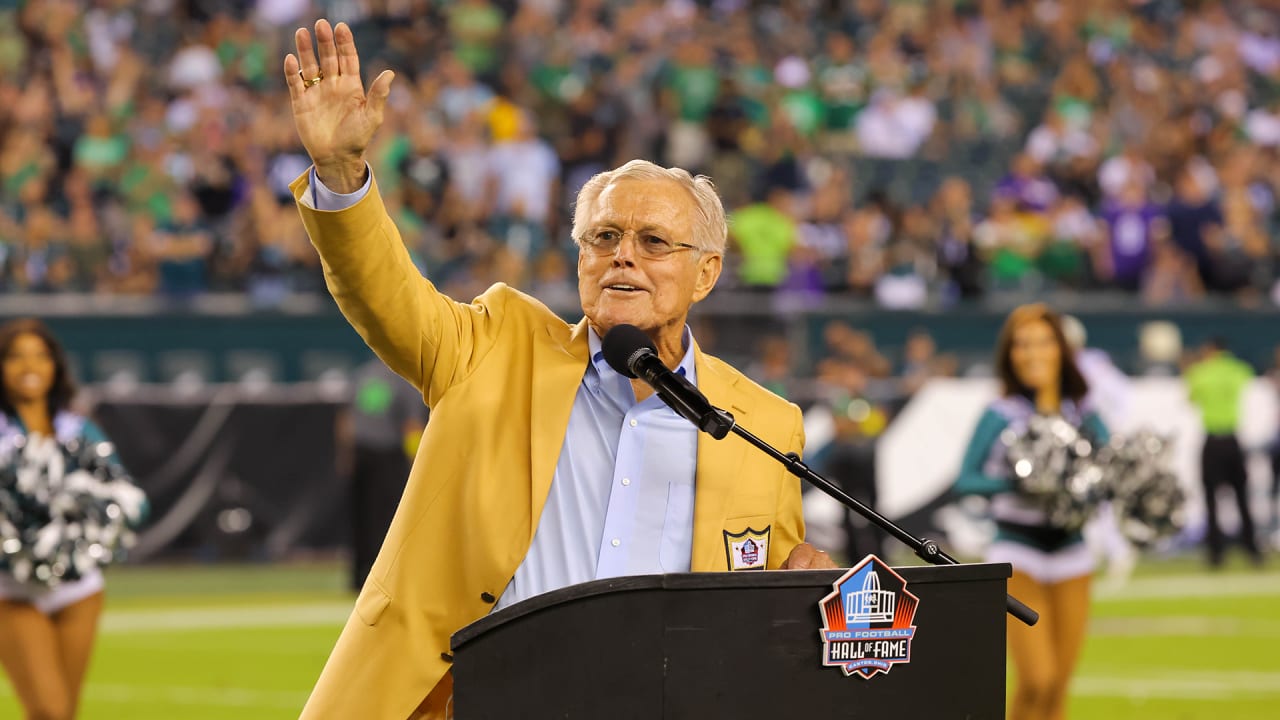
[(344, 176)]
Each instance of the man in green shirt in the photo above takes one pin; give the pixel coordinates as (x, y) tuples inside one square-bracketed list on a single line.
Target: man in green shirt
[(1216, 387), (765, 233)]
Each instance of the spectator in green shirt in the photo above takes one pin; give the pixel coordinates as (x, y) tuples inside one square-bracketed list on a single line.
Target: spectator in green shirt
[(1216, 387), (475, 27), (764, 234)]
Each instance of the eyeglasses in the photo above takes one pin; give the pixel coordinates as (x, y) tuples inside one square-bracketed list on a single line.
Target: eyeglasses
[(604, 242)]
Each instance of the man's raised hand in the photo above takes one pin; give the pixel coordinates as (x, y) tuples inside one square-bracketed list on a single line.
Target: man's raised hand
[(335, 119)]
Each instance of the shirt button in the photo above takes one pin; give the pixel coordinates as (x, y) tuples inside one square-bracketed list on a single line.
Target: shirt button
[(626, 481), (615, 542), (633, 423)]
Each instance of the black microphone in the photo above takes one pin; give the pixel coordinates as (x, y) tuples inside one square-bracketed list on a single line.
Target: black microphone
[(631, 353)]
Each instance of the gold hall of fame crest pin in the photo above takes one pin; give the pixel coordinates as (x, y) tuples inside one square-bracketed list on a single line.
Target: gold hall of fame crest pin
[(747, 550)]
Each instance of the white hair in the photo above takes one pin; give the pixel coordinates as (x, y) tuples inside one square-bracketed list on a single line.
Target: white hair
[(710, 229)]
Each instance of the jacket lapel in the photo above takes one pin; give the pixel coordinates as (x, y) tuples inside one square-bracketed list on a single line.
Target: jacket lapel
[(557, 372), (718, 463)]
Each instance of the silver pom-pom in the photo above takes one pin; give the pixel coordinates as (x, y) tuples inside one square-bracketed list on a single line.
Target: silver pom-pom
[(1068, 477), (1056, 468), (64, 509), (1149, 503)]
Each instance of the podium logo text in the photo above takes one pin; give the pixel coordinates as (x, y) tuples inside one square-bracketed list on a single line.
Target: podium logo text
[(867, 620)]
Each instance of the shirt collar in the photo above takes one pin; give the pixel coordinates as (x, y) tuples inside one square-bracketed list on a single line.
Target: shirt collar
[(686, 367)]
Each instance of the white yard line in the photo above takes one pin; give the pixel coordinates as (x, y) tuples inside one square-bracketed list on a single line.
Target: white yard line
[(331, 613), (1180, 684), (219, 618), (1183, 626), (137, 696), (1190, 586), (1171, 686)]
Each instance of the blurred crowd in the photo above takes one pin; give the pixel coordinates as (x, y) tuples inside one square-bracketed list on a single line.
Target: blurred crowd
[(909, 152)]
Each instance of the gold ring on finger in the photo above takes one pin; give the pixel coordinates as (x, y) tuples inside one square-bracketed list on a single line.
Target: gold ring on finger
[(313, 81)]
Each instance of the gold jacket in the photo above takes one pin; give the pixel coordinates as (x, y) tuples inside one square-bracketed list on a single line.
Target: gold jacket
[(500, 375)]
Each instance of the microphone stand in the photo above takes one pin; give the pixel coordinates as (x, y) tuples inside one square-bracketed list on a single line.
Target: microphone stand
[(719, 423)]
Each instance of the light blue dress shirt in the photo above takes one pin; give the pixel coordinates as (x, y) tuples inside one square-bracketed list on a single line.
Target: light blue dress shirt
[(621, 499)]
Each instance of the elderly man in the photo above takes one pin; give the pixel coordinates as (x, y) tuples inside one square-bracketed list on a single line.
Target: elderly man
[(546, 467)]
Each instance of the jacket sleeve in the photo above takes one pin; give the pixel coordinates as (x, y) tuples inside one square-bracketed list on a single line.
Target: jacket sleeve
[(424, 336), (973, 479)]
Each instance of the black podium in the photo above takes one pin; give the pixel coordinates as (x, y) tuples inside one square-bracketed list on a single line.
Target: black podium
[(729, 645)]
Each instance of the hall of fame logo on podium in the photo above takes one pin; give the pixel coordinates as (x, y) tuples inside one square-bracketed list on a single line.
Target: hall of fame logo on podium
[(866, 620)]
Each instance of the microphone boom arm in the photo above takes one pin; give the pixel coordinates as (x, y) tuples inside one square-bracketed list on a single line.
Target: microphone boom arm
[(631, 353), (924, 548)]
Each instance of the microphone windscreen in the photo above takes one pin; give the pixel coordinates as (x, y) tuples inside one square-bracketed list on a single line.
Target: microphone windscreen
[(621, 343)]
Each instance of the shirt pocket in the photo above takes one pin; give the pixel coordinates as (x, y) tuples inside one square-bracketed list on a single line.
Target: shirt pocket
[(676, 551)]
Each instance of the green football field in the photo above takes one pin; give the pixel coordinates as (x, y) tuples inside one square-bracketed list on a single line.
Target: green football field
[(245, 643)]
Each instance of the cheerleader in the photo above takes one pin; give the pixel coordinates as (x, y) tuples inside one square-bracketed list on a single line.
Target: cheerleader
[(46, 631), (1052, 566)]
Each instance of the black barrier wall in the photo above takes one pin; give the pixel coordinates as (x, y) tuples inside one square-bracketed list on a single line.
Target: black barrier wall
[(232, 476)]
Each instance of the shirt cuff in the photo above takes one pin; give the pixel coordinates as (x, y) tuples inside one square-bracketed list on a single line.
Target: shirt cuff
[(322, 198)]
